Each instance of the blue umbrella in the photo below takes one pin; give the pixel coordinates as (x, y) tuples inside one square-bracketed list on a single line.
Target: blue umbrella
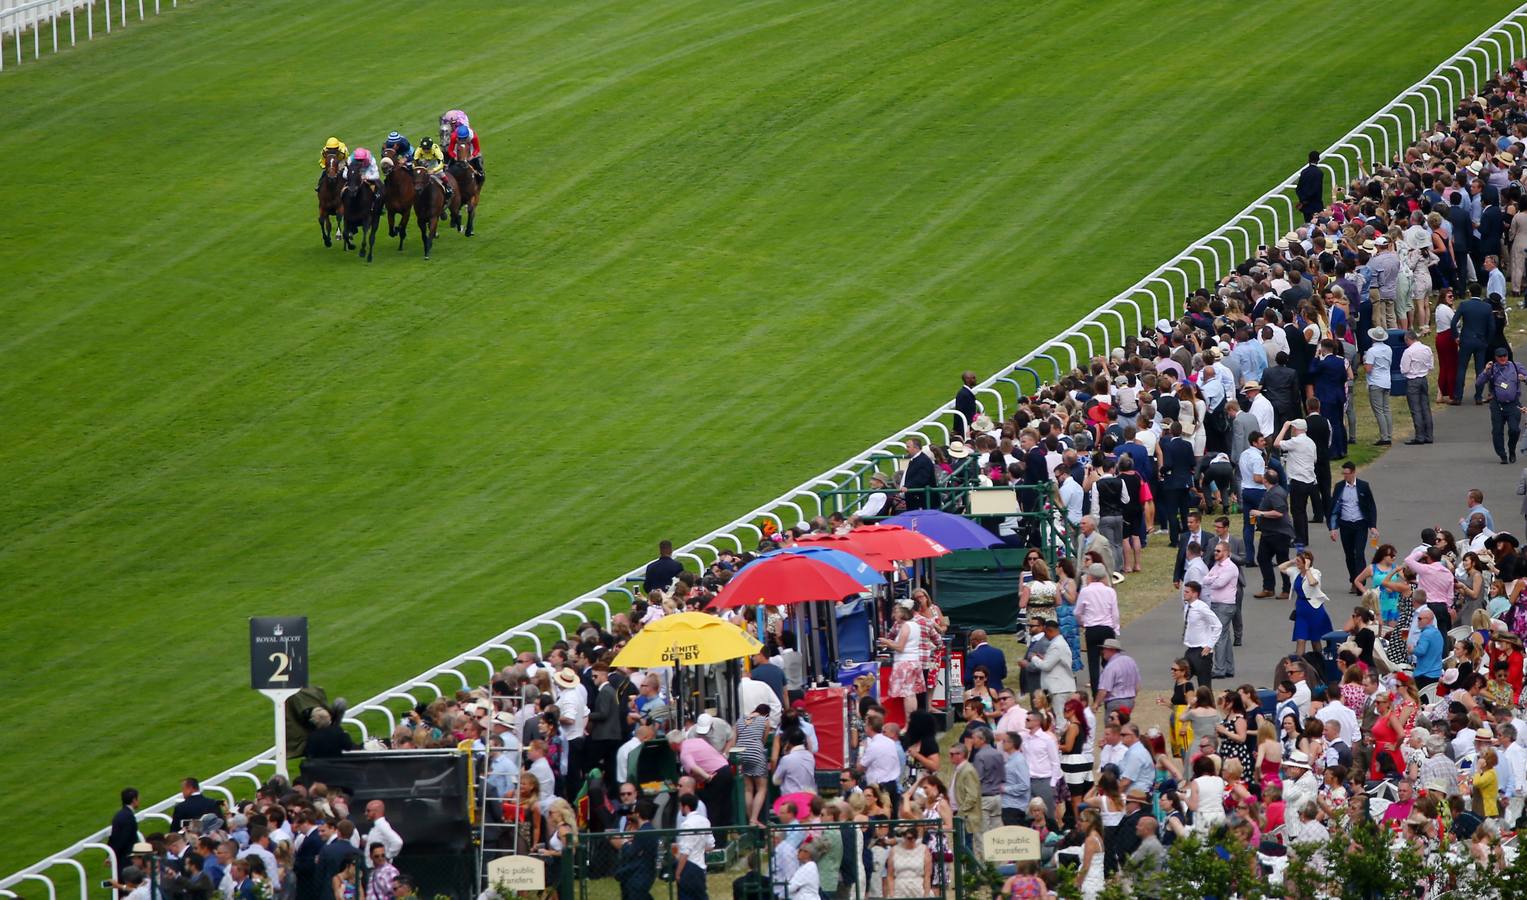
[(847, 563), (954, 532)]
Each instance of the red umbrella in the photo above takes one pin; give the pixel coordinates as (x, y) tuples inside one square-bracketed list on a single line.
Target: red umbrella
[(895, 542), (785, 579), (877, 561)]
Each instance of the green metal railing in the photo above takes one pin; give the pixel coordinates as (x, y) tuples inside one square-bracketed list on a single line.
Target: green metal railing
[(756, 861)]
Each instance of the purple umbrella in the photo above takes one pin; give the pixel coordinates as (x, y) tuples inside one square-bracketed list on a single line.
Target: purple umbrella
[(954, 532)]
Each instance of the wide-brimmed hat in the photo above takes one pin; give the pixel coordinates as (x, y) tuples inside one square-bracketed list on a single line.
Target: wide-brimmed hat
[(1506, 158), (958, 449), (1477, 166), (504, 719), (1252, 385), (1378, 334), (1113, 644), (1297, 760), (566, 678), (982, 422), (1450, 676)]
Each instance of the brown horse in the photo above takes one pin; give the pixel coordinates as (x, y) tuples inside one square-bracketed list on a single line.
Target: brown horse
[(429, 204), (331, 199), (467, 193), (397, 194), (363, 212)]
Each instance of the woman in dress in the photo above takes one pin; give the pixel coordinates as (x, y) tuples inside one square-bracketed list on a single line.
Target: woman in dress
[(1174, 818), (1233, 730), (1075, 765), (1108, 799), (909, 866), (1036, 596), (1203, 718), (343, 882), (1269, 761), (1311, 621), (561, 833), (1384, 576), (1206, 796), (1089, 877), (748, 738), (1387, 732), (907, 678)]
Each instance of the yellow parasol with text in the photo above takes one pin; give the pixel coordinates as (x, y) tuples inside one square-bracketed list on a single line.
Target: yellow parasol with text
[(687, 639)]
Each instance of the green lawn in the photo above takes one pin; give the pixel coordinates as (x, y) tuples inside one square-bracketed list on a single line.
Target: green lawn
[(722, 247)]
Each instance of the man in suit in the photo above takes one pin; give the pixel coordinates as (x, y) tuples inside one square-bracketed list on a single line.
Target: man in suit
[(1194, 532), (243, 885), (337, 851), (1463, 233), (124, 829), (1491, 227), (966, 404), (982, 653), (194, 804), (1093, 540), (1471, 325), (310, 840), (1353, 516), (637, 866), (1177, 465), (604, 723), (1311, 187), (920, 474), (1280, 385)]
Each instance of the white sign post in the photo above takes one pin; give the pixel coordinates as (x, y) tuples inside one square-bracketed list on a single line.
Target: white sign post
[(278, 667)]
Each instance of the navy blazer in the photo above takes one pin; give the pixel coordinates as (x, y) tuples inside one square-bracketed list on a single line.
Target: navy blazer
[(993, 659), (1177, 463), (1365, 504)]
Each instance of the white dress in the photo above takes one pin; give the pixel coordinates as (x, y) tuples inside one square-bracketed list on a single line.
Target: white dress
[(1211, 803), (1093, 881)]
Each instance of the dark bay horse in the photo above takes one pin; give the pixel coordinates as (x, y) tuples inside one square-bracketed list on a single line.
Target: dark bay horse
[(331, 202), (363, 212), (429, 204), (467, 192), (397, 194)]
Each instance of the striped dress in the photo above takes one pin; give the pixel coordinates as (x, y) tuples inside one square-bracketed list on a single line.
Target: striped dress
[(750, 744), (1077, 767)]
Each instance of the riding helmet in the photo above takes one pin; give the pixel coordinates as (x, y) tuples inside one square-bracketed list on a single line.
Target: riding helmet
[(463, 132), (331, 144), (393, 137)]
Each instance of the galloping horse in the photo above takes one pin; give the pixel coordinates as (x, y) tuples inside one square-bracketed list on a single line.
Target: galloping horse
[(397, 193), (429, 203), (331, 199), (362, 212), (467, 192)]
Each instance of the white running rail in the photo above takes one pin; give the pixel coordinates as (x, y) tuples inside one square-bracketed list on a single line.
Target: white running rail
[(1421, 104), (52, 22)]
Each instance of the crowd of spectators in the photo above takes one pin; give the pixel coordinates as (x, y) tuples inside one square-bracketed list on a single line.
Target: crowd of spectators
[(1219, 434)]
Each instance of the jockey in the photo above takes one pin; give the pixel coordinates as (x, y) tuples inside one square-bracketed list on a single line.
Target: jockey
[(363, 158), (452, 120), (332, 147), (399, 145), (433, 161), (464, 147)]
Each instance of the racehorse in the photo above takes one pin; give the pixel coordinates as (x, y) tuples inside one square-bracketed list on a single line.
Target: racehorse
[(429, 203), (397, 194), (467, 192), (331, 199), (362, 212)]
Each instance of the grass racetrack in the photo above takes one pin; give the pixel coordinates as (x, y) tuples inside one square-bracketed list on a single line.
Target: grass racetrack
[(721, 247)]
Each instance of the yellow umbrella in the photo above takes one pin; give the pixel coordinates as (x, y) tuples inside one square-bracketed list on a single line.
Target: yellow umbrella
[(687, 639)]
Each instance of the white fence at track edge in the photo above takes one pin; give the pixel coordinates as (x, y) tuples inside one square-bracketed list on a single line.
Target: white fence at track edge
[(19, 16), (1276, 207)]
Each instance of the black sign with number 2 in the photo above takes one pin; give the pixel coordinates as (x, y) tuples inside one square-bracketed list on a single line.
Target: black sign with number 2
[(278, 652)]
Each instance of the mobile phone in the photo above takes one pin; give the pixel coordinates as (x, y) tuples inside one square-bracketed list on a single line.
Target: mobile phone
[(107, 884)]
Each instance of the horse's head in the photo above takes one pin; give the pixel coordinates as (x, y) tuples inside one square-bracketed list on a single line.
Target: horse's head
[(389, 153), (331, 165)]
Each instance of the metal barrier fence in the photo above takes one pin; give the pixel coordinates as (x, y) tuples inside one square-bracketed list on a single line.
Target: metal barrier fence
[(1429, 99), (757, 862), (51, 22)]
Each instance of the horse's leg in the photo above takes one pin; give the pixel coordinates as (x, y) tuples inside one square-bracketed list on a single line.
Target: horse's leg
[(471, 215), (403, 230), (392, 230), (323, 228)]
